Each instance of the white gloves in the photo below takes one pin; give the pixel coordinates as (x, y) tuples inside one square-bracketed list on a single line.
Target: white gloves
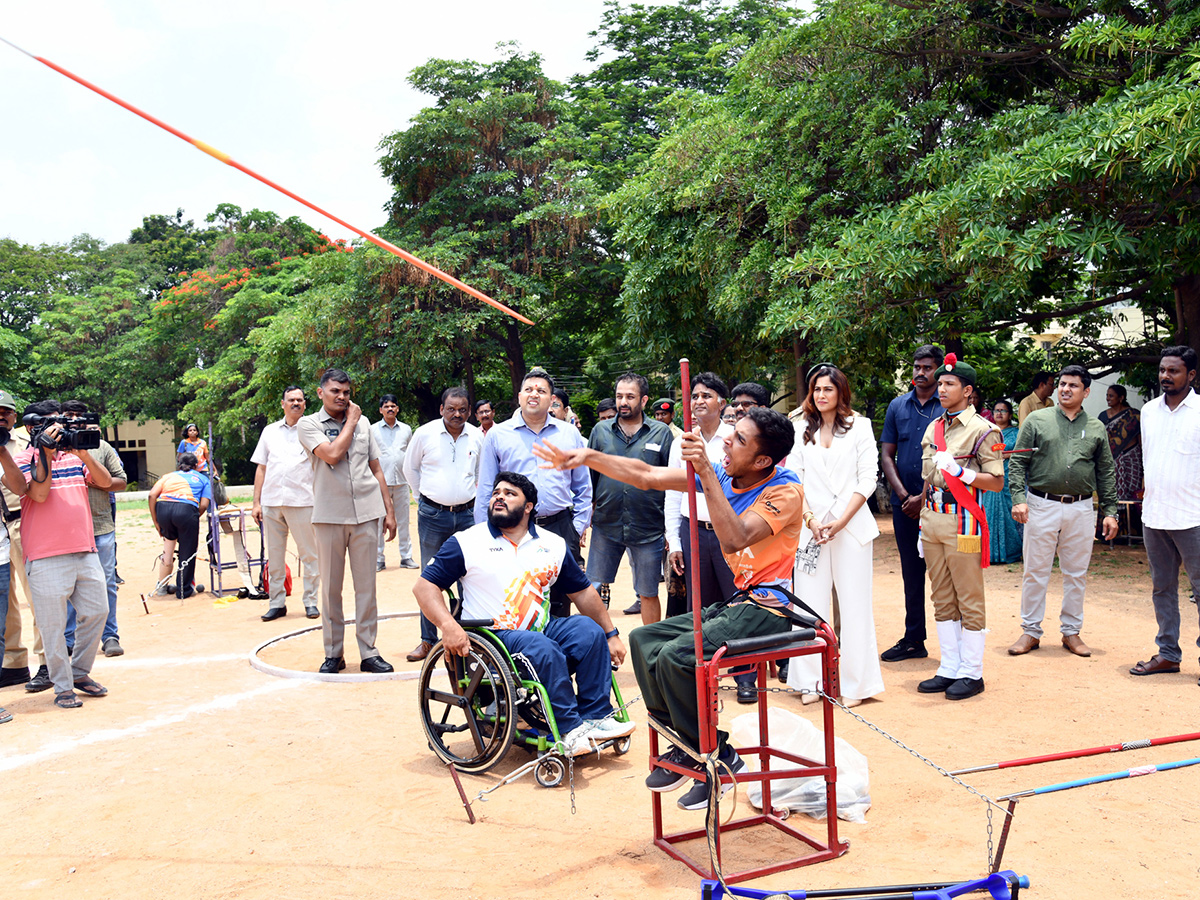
[(945, 461)]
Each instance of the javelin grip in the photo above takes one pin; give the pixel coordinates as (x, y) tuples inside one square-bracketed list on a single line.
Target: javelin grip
[(769, 641)]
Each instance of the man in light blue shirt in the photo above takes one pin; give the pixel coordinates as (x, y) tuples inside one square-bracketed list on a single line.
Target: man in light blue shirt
[(564, 498), (393, 437)]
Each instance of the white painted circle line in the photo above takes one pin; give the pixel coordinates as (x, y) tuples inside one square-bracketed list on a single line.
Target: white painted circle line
[(347, 678)]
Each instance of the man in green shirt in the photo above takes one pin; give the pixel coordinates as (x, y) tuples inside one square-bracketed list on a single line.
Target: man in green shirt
[(1067, 458)]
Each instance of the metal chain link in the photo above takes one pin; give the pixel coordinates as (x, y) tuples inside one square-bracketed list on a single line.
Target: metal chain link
[(899, 743), (571, 780)]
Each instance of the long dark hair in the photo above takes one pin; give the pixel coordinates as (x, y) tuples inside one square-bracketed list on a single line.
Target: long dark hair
[(843, 417)]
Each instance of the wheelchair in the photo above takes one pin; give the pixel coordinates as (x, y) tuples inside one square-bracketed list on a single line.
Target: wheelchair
[(491, 703)]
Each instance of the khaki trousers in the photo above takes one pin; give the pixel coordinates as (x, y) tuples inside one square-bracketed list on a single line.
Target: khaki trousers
[(334, 544), (955, 578), (278, 522), (15, 654)]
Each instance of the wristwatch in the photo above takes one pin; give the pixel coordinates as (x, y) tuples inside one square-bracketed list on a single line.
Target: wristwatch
[(609, 635)]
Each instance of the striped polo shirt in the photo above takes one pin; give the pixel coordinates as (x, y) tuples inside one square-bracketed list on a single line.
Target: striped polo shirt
[(62, 523)]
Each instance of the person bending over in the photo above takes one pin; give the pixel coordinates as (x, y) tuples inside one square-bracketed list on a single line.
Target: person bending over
[(755, 507), (510, 569)]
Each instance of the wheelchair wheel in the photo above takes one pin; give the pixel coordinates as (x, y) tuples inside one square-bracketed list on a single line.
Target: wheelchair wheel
[(472, 723), (550, 771)]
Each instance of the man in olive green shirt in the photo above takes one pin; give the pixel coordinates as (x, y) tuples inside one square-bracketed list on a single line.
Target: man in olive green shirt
[(1067, 459)]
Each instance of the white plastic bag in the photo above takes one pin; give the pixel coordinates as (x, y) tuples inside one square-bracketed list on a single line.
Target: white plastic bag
[(800, 737)]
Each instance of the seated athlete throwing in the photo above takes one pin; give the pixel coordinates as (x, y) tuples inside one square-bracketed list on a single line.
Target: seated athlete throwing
[(510, 571), (756, 510)]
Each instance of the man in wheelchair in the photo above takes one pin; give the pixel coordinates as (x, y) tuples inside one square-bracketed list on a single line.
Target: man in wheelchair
[(757, 510), (510, 571)]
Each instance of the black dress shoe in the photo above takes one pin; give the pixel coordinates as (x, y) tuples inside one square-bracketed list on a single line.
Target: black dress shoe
[(39, 682), (332, 665), (935, 685), (964, 688), (311, 612), (376, 664), (904, 649), (277, 612), (17, 675), (747, 693)]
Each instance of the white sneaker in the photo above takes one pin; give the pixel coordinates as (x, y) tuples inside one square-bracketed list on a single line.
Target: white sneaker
[(609, 729), (577, 742)]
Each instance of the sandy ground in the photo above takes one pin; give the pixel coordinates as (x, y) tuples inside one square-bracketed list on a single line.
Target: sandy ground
[(202, 777)]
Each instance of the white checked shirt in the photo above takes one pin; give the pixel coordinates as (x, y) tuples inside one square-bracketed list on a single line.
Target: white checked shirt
[(445, 470), (393, 441), (674, 508), (289, 476), (1171, 461)]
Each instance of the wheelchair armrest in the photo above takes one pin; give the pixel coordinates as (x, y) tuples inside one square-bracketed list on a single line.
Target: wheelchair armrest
[(477, 623), (769, 641)]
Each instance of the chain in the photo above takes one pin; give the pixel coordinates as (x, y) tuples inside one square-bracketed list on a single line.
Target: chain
[(989, 840), (899, 743), (571, 780)]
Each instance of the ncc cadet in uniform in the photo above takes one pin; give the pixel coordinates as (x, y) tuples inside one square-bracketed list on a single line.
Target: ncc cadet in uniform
[(957, 463)]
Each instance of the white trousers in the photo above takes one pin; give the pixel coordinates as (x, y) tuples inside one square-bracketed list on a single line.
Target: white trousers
[(400, 495), (1068, 529), (848, 564)]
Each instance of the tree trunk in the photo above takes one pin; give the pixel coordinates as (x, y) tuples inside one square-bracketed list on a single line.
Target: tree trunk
[(1187, 310), (514, 354)]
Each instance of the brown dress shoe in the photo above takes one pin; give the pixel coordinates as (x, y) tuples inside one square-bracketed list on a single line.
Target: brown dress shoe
[(420, 652), (1024, 644), (1075, 644)]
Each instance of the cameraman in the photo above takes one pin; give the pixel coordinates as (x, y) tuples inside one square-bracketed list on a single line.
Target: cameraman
[(60, 549), (105, 532)]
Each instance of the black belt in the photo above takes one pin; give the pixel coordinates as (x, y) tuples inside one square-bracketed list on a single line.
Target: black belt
[(1060, 498), (451, 509), (942, 498), (11, 515), (554, 517)]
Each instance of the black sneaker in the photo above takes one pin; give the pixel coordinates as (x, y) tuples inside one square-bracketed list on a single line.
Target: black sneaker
[(904, 649), (39, 682), (663, 780), (697, 795), (14, 675)]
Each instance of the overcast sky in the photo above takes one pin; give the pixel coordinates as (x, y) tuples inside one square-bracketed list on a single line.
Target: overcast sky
[(299, 91)]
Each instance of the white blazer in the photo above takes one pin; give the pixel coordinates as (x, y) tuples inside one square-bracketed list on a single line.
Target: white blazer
[(830, 477)]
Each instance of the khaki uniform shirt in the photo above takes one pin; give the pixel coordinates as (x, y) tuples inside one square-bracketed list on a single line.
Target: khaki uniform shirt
[(962, 434), (348, 493)]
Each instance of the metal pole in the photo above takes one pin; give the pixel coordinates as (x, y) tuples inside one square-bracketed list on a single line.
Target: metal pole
[(693, 528), (1008, 817)]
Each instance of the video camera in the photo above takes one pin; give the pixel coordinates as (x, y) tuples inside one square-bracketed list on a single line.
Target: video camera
[(80, 432)]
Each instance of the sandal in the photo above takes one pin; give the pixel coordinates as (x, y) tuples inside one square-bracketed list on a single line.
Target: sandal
[(67, 700), (1155, 666), (5, 715), (91, 687)]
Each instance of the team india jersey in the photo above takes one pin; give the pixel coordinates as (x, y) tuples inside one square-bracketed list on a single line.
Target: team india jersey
[(511, 584)]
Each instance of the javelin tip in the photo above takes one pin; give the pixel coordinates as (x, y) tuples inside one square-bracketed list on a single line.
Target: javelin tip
[(15, 47)]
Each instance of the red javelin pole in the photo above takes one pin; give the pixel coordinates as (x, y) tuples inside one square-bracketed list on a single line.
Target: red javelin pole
[(1075, 754), (693, 529), (229, 161)]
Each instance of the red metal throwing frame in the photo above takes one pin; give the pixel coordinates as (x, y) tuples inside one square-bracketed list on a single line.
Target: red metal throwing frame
[(708, 675)]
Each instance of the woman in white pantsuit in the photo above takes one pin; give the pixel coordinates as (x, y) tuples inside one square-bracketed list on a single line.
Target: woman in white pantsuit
[(837, 460)]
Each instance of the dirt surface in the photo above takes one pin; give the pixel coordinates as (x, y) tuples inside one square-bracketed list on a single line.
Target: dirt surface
[(202, 777)]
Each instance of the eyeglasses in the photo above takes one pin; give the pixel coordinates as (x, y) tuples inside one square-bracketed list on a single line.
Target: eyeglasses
[(739, 404)]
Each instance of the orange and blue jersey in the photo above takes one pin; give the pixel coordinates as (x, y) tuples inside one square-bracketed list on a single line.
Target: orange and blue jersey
[(778, 501), (185, 487)]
